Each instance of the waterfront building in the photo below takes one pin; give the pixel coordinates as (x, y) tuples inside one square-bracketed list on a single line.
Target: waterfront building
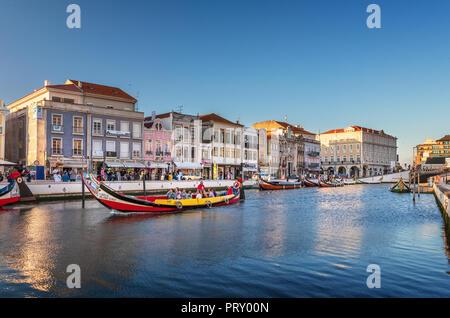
[(157, 145), (358, 152), (225, 140), (263, 152), (291, 142), (3, 114), (273, 154), (75, 125), (433, 149), (249, 152), (185, 141)]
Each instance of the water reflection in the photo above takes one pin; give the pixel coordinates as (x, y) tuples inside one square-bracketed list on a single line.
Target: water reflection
[(306, 242)]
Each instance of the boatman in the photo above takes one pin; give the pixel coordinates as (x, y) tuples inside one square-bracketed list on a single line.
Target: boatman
[(201, 186)]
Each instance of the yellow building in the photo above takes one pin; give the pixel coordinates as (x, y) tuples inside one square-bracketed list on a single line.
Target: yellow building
[(433, 149)]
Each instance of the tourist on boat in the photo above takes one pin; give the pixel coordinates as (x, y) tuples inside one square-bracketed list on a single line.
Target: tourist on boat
[(199, 194), (211, 193), (189, 195), (170, 195), (229, 190), (184, 195)]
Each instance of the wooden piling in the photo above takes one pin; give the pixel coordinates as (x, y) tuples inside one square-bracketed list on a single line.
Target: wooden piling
[(82, 190), (414, 185), (418, 183)]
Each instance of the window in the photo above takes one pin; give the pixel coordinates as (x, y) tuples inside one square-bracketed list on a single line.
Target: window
[(68, 100), (124, 126), (337, 148), (186, 134), (110, 124), (136, 130), (56, 146), (237, 138), (357, 147), (167, 148), (56, 99), (57, 123), (228, 137), (332, 158), (344, 148), (215, 152), (77, 147), (159, 148), (178, 133), (97, 148), (351, 148), (97, 126), (237, 153), (148, 147), (136, 149), (179, 152), (111, 148), (124, 150), (192, 134), (77, 125)]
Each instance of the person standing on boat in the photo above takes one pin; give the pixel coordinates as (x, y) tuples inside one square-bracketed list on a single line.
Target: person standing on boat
[(201, 186)]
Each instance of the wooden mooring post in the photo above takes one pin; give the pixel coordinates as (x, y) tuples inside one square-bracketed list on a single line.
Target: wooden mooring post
[(414, 185), (82, 190)]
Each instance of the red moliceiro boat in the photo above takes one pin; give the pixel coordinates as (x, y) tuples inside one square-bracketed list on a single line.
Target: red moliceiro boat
[(150, 204), (16, 190), (279, 185), (310, 183)]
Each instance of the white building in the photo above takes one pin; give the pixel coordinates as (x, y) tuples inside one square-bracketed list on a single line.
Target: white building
[(358, 151), (225, 139), (250, 152)]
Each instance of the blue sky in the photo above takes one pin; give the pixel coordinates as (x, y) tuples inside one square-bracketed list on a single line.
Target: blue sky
[(252, 60)]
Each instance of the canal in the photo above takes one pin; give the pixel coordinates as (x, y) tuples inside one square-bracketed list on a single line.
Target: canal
[(312, 242)]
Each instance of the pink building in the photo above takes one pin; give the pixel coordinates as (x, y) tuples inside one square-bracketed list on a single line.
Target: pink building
[(157, 146)]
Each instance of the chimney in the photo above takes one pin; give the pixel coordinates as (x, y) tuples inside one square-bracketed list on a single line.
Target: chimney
[(46, 82), (237, 121)]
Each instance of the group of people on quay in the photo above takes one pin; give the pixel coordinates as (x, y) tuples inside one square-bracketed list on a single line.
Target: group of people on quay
[(202, 192)]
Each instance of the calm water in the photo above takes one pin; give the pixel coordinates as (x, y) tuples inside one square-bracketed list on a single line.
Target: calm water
[(299, 243)]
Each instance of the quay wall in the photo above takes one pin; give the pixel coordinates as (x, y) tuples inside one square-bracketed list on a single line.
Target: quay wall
[(442, 193), (45, 190)]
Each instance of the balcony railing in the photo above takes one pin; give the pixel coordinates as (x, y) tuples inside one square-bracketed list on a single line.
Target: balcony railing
[(111, 154), (57, 151), (313, 153), (341, 162)]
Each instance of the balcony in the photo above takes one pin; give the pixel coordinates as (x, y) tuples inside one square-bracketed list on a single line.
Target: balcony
[(313, 164), (57, 129), (313, 153), (111, 154), (97, 132), (149, 152), (167, 154), (57, 152)]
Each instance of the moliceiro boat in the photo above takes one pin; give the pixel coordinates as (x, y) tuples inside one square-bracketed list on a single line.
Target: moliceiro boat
[(15, 191), (150, 204), (311, 183), (279, 185), (400, 187)]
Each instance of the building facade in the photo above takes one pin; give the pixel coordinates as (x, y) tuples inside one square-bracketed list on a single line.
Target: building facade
[(358, 152), (157, 146), (185, 140), (433, 149), (250, 152), (224, 138), (75, 125), (290, 141)]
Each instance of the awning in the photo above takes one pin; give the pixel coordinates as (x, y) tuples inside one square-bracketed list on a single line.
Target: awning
[(7, 163), (112, 164), (158, 165), (133, 165), (188, 165)]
